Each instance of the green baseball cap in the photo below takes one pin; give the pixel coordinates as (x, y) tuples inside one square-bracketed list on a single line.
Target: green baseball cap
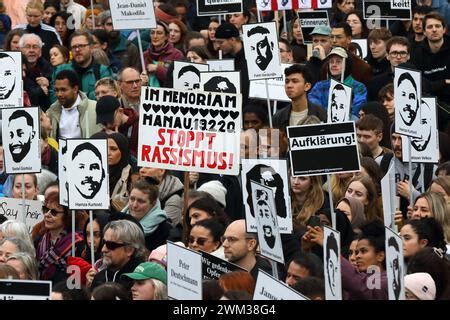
[(321, 30), (148, 270)]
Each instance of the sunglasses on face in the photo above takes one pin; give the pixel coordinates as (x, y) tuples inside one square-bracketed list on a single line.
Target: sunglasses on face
[(200, 241), (53, 212), (111, 245)]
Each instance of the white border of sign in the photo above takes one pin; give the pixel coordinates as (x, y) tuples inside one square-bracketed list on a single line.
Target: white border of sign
[(122, 17)]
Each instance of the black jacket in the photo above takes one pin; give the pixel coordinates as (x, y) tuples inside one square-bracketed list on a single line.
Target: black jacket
[(378, 67), (35, 92), (240, 64), (159, 236), (280, 119)]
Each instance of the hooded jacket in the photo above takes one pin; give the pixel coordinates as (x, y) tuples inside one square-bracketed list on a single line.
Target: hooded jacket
[(170, 191), (107, 275)]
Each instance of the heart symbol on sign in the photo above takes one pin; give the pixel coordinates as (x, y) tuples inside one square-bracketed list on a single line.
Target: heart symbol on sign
[(193, 111), (204, 112), (165, 109), (156, 108), (234, 114), (147, 106), (174, 109), (224, 113), (213, 113), (184, 110)]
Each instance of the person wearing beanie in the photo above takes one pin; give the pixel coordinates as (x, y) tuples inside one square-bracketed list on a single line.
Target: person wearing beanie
[(229, 42), (216, 190), (419, 286), (149, 282)]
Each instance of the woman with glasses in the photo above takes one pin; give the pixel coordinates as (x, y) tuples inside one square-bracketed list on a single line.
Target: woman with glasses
[(160, 53), (143, 205), (206, 236), (54, 242)]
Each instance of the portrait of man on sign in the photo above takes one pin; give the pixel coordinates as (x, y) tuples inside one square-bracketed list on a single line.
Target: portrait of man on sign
[(408, 100), (261, 48), (21, 133), (7, 75)]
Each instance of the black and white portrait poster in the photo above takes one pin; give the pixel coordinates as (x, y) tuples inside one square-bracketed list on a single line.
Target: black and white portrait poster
[(324, 4), (323, 148), (271, 173), (11, 93), (332, 263), (388, 192), (87, 167), (269, 288), (394, 265), (275, 86), (186, 75), (339, 102), (269, 237), (21, 133), (425, 148), (407, 97), (221, 81), (190, 130), (261, 50), (304, 4), (62, 173), (220, 65), (132, 14), (360, 46)]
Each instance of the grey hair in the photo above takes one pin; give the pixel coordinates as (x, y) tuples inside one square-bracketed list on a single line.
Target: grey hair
[(120, 73), (29, 36), (29, 263), (130, 233), (22, 245), (160, 290), (13, 228)]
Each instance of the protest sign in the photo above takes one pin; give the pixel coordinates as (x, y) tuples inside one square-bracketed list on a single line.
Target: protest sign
[(311, 19), (21, 134), (273, 174), (87, 161), (388, 192), (186, 75), (394, 265), (25, 289), (269, 238), (339, 102), (275, 87), (13, 209), (407, 97), (323, 148), (190, 130), (220, 64), (387, 9), (332, 263), (221, 81), (132, 14), (11, 93), (62, 173), (361, 47), (261, 50), (278, 5), (215, 7), (184, 273), (213, 266), (269, 288)]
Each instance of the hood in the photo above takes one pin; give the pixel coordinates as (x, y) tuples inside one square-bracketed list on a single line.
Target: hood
[(169, 185)]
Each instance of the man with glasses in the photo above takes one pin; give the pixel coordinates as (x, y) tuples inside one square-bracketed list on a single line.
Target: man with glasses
[(83, 64), (240, 248), (130, 83), (123, 250)]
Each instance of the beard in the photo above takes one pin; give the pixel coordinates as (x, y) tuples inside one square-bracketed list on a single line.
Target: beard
[(94, 187), (25, 149), (4, 96)]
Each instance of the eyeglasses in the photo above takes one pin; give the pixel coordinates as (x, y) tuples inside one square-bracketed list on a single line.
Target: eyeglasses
[(79, 46), (35, 47), (233, 239), (131, 82), (53, 212), (111, 245), (200, 241), (284, 51), (401, 54)]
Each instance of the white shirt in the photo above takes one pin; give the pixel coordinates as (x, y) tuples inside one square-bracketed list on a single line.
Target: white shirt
[(69, 123), (296, 117)]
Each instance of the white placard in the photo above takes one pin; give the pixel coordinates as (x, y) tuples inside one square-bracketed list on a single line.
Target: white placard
[(87, 168), (11, 93), (186, 75), (275, 87), (264, 5), (20, 132), (269, 238), (13, 209), (190, 130), (361, 47), (220, 65), (332, 263), (261, 50), (273, 174), (25, 289), (339, 102), (388, 192), (324, 4), (221, 81), (132, 14), (269, 288), (394, 265), (62, 173), (304, 4), (284, 4), (184, 273), (407, 97)]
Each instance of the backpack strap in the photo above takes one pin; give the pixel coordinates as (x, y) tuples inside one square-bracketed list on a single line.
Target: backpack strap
[(385, 161)]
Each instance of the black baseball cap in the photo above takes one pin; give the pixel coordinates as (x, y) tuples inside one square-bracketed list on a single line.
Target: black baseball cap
[(105, 109), (226, 31)]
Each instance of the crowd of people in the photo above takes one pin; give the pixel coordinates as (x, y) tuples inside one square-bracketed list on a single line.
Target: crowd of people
[(86, 79)]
